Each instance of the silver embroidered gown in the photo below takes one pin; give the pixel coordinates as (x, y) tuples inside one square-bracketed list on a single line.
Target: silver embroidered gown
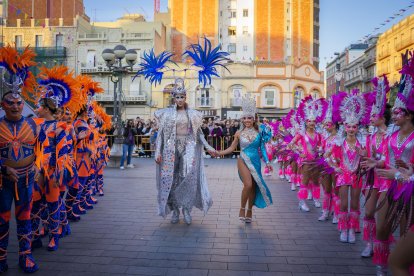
[(181, 180)]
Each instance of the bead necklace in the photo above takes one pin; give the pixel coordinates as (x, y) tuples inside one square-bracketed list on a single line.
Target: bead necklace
[(249, 133)]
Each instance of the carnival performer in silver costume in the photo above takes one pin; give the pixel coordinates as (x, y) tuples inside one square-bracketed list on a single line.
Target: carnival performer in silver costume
[(181, 181)]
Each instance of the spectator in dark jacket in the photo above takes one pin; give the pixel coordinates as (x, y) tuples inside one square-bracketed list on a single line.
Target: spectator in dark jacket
[(128, 144)]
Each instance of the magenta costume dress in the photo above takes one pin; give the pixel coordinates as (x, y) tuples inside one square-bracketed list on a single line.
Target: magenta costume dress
[(348, 164), (395, 150), (309, 148), (377, 151)]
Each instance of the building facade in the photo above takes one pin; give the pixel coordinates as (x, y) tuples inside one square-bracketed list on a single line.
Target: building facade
[(391, 44), (270, 83), (271, 30), (48, 27), (337, 77), (133, 32)]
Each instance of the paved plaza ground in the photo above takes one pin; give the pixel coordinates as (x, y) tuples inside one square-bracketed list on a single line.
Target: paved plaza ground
[(124, 235)]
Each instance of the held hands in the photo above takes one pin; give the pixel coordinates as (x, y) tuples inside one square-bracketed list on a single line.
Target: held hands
[(369, 163), (214, 153), (158, 159), (394, 173)]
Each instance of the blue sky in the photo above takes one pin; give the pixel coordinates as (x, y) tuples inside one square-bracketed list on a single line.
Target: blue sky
[(341, 21)]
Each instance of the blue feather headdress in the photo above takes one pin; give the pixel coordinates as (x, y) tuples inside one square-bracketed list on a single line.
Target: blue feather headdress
[(153, 67), (207, 59), (205, 63)]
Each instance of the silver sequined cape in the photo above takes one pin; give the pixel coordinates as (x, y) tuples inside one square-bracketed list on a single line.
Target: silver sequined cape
[(194, 189)]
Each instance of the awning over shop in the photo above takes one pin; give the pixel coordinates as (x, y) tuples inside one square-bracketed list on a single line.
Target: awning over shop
[(272, 112)]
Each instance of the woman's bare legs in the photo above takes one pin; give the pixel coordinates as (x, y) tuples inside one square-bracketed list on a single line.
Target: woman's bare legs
[(247, 185), (369, 231), (343, 219), (383, 237)]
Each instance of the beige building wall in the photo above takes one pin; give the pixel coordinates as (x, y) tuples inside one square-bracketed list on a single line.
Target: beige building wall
[(272, 85), (391, 44)]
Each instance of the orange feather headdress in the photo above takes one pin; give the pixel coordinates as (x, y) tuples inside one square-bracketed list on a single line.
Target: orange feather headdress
[(59, 85), (105, 120), (17, 76)]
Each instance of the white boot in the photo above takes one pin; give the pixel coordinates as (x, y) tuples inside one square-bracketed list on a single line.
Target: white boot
[(293, 187), (309, 194), (343, 237), (351, 236), (367, 252), (317, 203), (303, 206), (324, 215), (334, 219)]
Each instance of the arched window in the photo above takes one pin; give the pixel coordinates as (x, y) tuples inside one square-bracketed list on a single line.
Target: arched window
[(299, 95), (315, 94)]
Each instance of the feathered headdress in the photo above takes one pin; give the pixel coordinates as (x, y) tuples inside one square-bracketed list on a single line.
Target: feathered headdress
[(16, 75), (89, 88), (329, 116), (353, 108), (59, 85), (205, 61), (405, 96), (249, 107), (381, 89), (311, 109), (103, 119)]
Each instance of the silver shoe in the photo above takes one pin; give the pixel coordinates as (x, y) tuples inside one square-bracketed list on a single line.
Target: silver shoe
[(175, 218), (367, 252), (187, 216)]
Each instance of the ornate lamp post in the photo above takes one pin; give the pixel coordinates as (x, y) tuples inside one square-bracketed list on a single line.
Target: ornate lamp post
[(113, 59)]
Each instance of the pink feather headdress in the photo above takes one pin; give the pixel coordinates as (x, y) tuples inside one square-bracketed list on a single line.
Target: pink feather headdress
[(405, 96), (311, 109), (352, 108), (381, 89)]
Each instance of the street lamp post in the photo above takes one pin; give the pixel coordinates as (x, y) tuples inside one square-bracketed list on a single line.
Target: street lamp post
[(338, 73), (113, 59)]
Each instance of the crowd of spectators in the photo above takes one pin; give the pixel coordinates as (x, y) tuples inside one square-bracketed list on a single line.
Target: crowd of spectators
[(218, 133)]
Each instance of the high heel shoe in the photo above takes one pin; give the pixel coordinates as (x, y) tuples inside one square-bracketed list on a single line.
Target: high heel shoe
[(248, 219), (242, 218)]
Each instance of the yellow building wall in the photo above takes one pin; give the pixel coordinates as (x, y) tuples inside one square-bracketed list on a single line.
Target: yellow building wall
[(191, 20), (391, 44)]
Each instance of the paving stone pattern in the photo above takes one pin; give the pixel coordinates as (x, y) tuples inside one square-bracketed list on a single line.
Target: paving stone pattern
[(124, 235)]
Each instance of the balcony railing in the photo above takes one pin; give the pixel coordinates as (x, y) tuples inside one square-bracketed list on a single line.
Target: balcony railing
[(127, 98), (205, 102), (91, 36), (89, 70), (368, 62), (136, 36), (42, 52)]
